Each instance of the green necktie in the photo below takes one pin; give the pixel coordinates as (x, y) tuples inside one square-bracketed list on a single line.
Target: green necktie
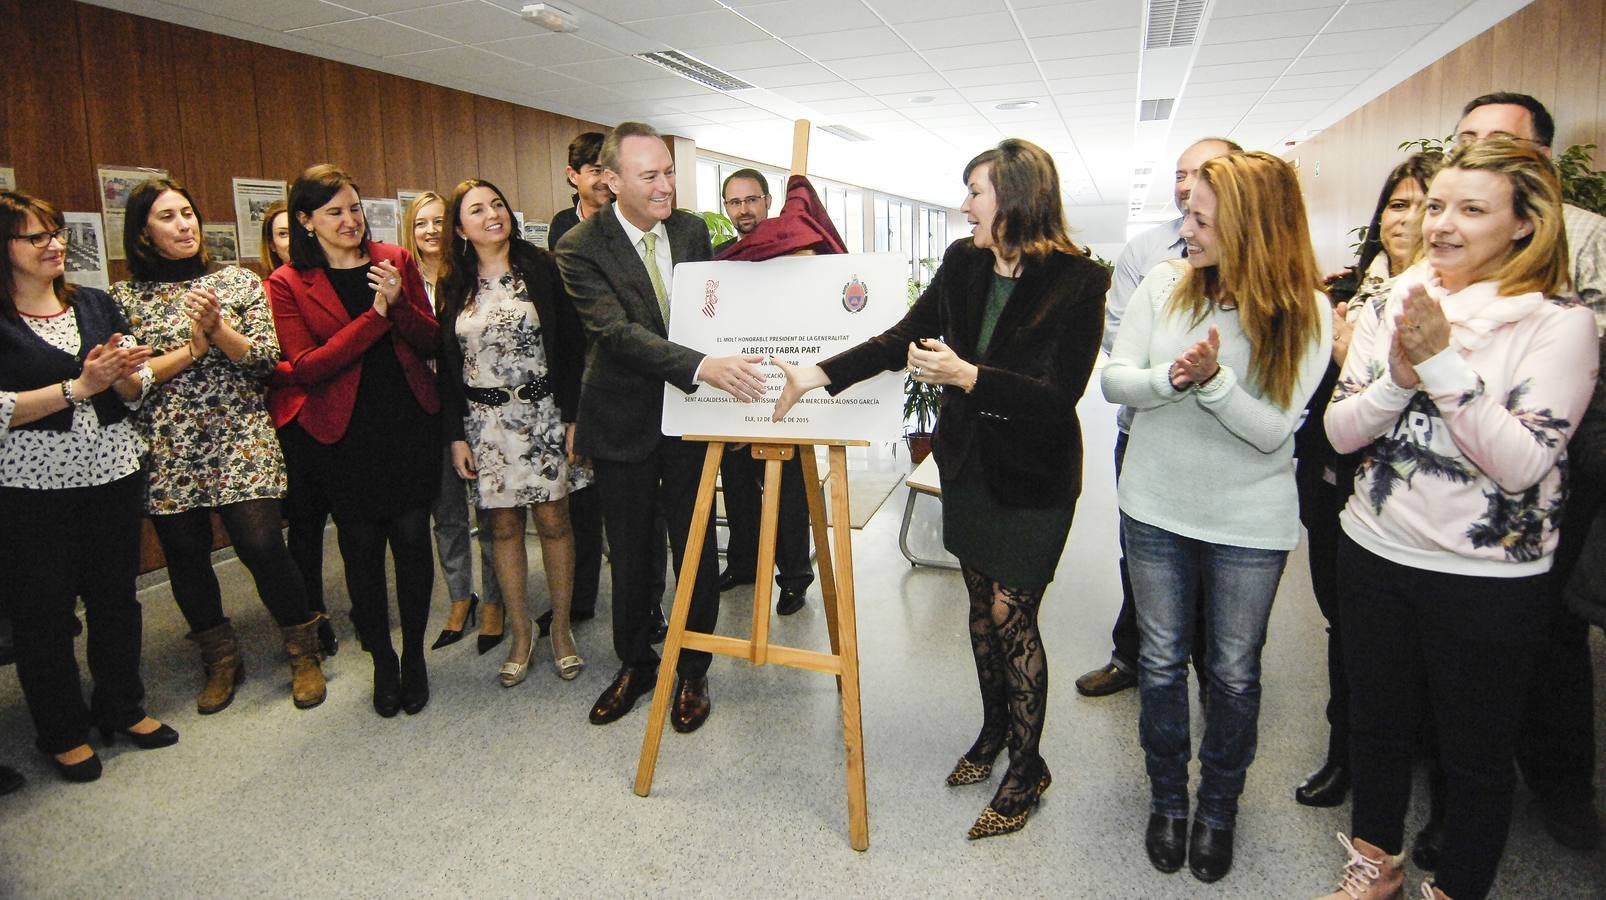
[(649, 240)]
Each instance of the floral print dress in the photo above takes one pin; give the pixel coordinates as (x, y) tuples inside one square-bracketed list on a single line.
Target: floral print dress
[(211, 440), (518, 446)]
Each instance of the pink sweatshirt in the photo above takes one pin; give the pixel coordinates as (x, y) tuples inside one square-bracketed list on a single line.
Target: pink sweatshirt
[(1466, 473)]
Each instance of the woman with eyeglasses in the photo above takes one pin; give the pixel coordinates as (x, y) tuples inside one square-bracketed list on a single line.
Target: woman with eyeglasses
[(510, 382), (212, 446), (70, 489), (424, 236), (355, 325)]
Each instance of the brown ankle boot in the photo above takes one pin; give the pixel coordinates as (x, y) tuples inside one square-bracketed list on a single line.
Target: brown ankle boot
[(220, 653), (1370, 873), (306, 674)]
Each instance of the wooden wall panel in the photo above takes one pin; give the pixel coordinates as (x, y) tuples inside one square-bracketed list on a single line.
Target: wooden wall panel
[(498, 160), (533, 155), (217, 120), (456, 139), (131, 90), (46, 134), (354, 126), (290, 111), (409, 109), (1550, 49)]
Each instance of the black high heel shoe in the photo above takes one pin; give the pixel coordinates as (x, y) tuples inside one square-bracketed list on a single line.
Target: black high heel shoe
[(387, 685), (488, 642), (450, 636), (81, 772), (414, 685), (161, 736)]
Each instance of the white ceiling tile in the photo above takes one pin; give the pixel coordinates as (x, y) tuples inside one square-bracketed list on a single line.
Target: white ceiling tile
[(1071, 18), (549, 49), (1247, 68), (1108, 64), (1024, 90), (799, 17), (1224, 88), (934, 99), (1345, 78), (669, 121), (850, 43), (963, 78), (1194, 106), (772, 77), (1091, 43), (902, 84), (1367, 16), (747, 55), (628, 10), (1252, 7), (1316, 95), (540, 80), (830, 90), (899, 11), (708, 104), (609, 71), (887, 64), (935, 34), (1267, 25), (848, 105), (663, 88), (1230, 52), (470, 62), (744, 116), (1320, 66), (1382, 40), (382, 7), (375, 37), (1084, 98), (972, 56), (699, 29), (1128, 83), (283, 15), (466, 21)]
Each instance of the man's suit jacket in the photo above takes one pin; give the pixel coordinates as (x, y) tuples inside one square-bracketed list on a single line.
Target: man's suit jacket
[(324, 345), (1020, 416), (629, 356)]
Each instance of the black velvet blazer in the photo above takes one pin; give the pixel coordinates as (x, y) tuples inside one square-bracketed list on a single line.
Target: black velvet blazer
[(1020, 418)]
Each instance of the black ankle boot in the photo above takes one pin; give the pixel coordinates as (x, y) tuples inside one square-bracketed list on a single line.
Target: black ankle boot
[(1327, 786), (387, 682), (1209, 852), (1166, 840), (414, 683), (1429, 845)]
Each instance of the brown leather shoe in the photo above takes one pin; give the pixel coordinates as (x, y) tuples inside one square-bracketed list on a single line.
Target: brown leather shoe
[(1111, 679), (621, 696), (691, 704)]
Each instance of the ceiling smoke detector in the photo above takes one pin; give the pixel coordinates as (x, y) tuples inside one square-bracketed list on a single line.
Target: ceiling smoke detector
[(691, 67), (550, 17)]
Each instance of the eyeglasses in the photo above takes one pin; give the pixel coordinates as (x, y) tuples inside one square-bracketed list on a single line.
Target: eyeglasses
[(1472, 137), (42, 239), (739, 202)]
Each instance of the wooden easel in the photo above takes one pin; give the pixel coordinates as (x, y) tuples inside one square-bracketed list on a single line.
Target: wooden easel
[(836, 584)]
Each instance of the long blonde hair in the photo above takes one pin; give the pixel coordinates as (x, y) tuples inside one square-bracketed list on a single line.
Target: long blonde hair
[(1538, 261), (1265, 268)]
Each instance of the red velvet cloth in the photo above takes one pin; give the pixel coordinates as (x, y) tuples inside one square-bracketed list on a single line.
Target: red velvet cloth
[(803, 224)]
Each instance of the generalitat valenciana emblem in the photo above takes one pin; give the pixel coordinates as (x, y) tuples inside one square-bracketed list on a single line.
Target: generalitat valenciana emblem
[(855, 296)]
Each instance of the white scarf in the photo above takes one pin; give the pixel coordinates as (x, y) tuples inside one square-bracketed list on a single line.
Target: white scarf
[(1474, 312)]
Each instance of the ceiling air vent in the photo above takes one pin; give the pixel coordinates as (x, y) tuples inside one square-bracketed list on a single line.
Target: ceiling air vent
[(1172, 23), (845, 133), (1155, 110), (695, 69)]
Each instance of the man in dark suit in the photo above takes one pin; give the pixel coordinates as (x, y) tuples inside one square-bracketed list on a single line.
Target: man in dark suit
[(619, 267), (747, 203)]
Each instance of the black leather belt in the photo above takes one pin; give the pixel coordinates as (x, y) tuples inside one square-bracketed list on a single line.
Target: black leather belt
[(531, 391)]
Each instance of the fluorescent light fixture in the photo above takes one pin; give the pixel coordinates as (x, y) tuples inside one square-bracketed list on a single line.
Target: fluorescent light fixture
[(845, 133), (550, 17), (687, 66)]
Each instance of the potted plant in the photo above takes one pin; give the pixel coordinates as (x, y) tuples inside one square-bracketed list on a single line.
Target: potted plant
[(920, 401)]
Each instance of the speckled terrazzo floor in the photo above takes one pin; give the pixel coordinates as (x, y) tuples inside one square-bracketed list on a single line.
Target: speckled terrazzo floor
[(493, 792)]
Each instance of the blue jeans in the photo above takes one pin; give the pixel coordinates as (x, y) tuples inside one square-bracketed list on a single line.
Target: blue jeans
[(1239, 584)]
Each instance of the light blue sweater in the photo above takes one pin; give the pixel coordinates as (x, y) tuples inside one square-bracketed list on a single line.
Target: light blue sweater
[(1214, 463)]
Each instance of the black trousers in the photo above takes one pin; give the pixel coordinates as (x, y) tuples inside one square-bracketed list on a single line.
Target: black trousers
[(1124, 636), (1556, 745), (743, 480), (632, 494), (65, 544), (1459, 647), (585, 520), (253, 527), (1319, 505)]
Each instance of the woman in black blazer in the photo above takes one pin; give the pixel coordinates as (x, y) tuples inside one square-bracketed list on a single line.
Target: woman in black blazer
[(1020, 312)]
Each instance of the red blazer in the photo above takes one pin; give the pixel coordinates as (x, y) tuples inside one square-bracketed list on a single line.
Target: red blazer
[(323, 345)]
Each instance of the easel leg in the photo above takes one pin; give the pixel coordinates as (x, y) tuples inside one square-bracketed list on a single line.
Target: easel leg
[(822, 544), (677, 619), (846, 644)]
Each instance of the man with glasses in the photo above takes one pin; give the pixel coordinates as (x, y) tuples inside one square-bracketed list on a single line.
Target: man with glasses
[(1556, 744), (747, 203)]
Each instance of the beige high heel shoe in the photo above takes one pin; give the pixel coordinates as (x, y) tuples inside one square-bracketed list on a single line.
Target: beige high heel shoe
[(569, 666), (513, 674)]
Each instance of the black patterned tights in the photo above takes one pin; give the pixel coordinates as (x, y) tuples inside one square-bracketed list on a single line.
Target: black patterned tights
[(1013, 671)]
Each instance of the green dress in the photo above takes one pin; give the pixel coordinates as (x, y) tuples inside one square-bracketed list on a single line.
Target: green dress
[(1017, 547)]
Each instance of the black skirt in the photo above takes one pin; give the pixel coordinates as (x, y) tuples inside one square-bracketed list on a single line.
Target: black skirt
[(1015, 546)]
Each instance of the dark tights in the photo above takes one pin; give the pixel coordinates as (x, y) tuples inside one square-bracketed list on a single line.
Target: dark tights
[(253, 527), (362, 548), (306, 548), (1013, 672)]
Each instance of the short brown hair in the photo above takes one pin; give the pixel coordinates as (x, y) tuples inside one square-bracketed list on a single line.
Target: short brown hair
[(608, 157), (1031, 217), (15, 207), (310, 192)]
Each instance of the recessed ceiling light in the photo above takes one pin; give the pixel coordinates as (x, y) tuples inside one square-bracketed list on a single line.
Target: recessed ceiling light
[(1009, 105), (923, 98)]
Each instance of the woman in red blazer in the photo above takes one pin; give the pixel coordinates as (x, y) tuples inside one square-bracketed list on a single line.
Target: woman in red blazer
[(355, 327)]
